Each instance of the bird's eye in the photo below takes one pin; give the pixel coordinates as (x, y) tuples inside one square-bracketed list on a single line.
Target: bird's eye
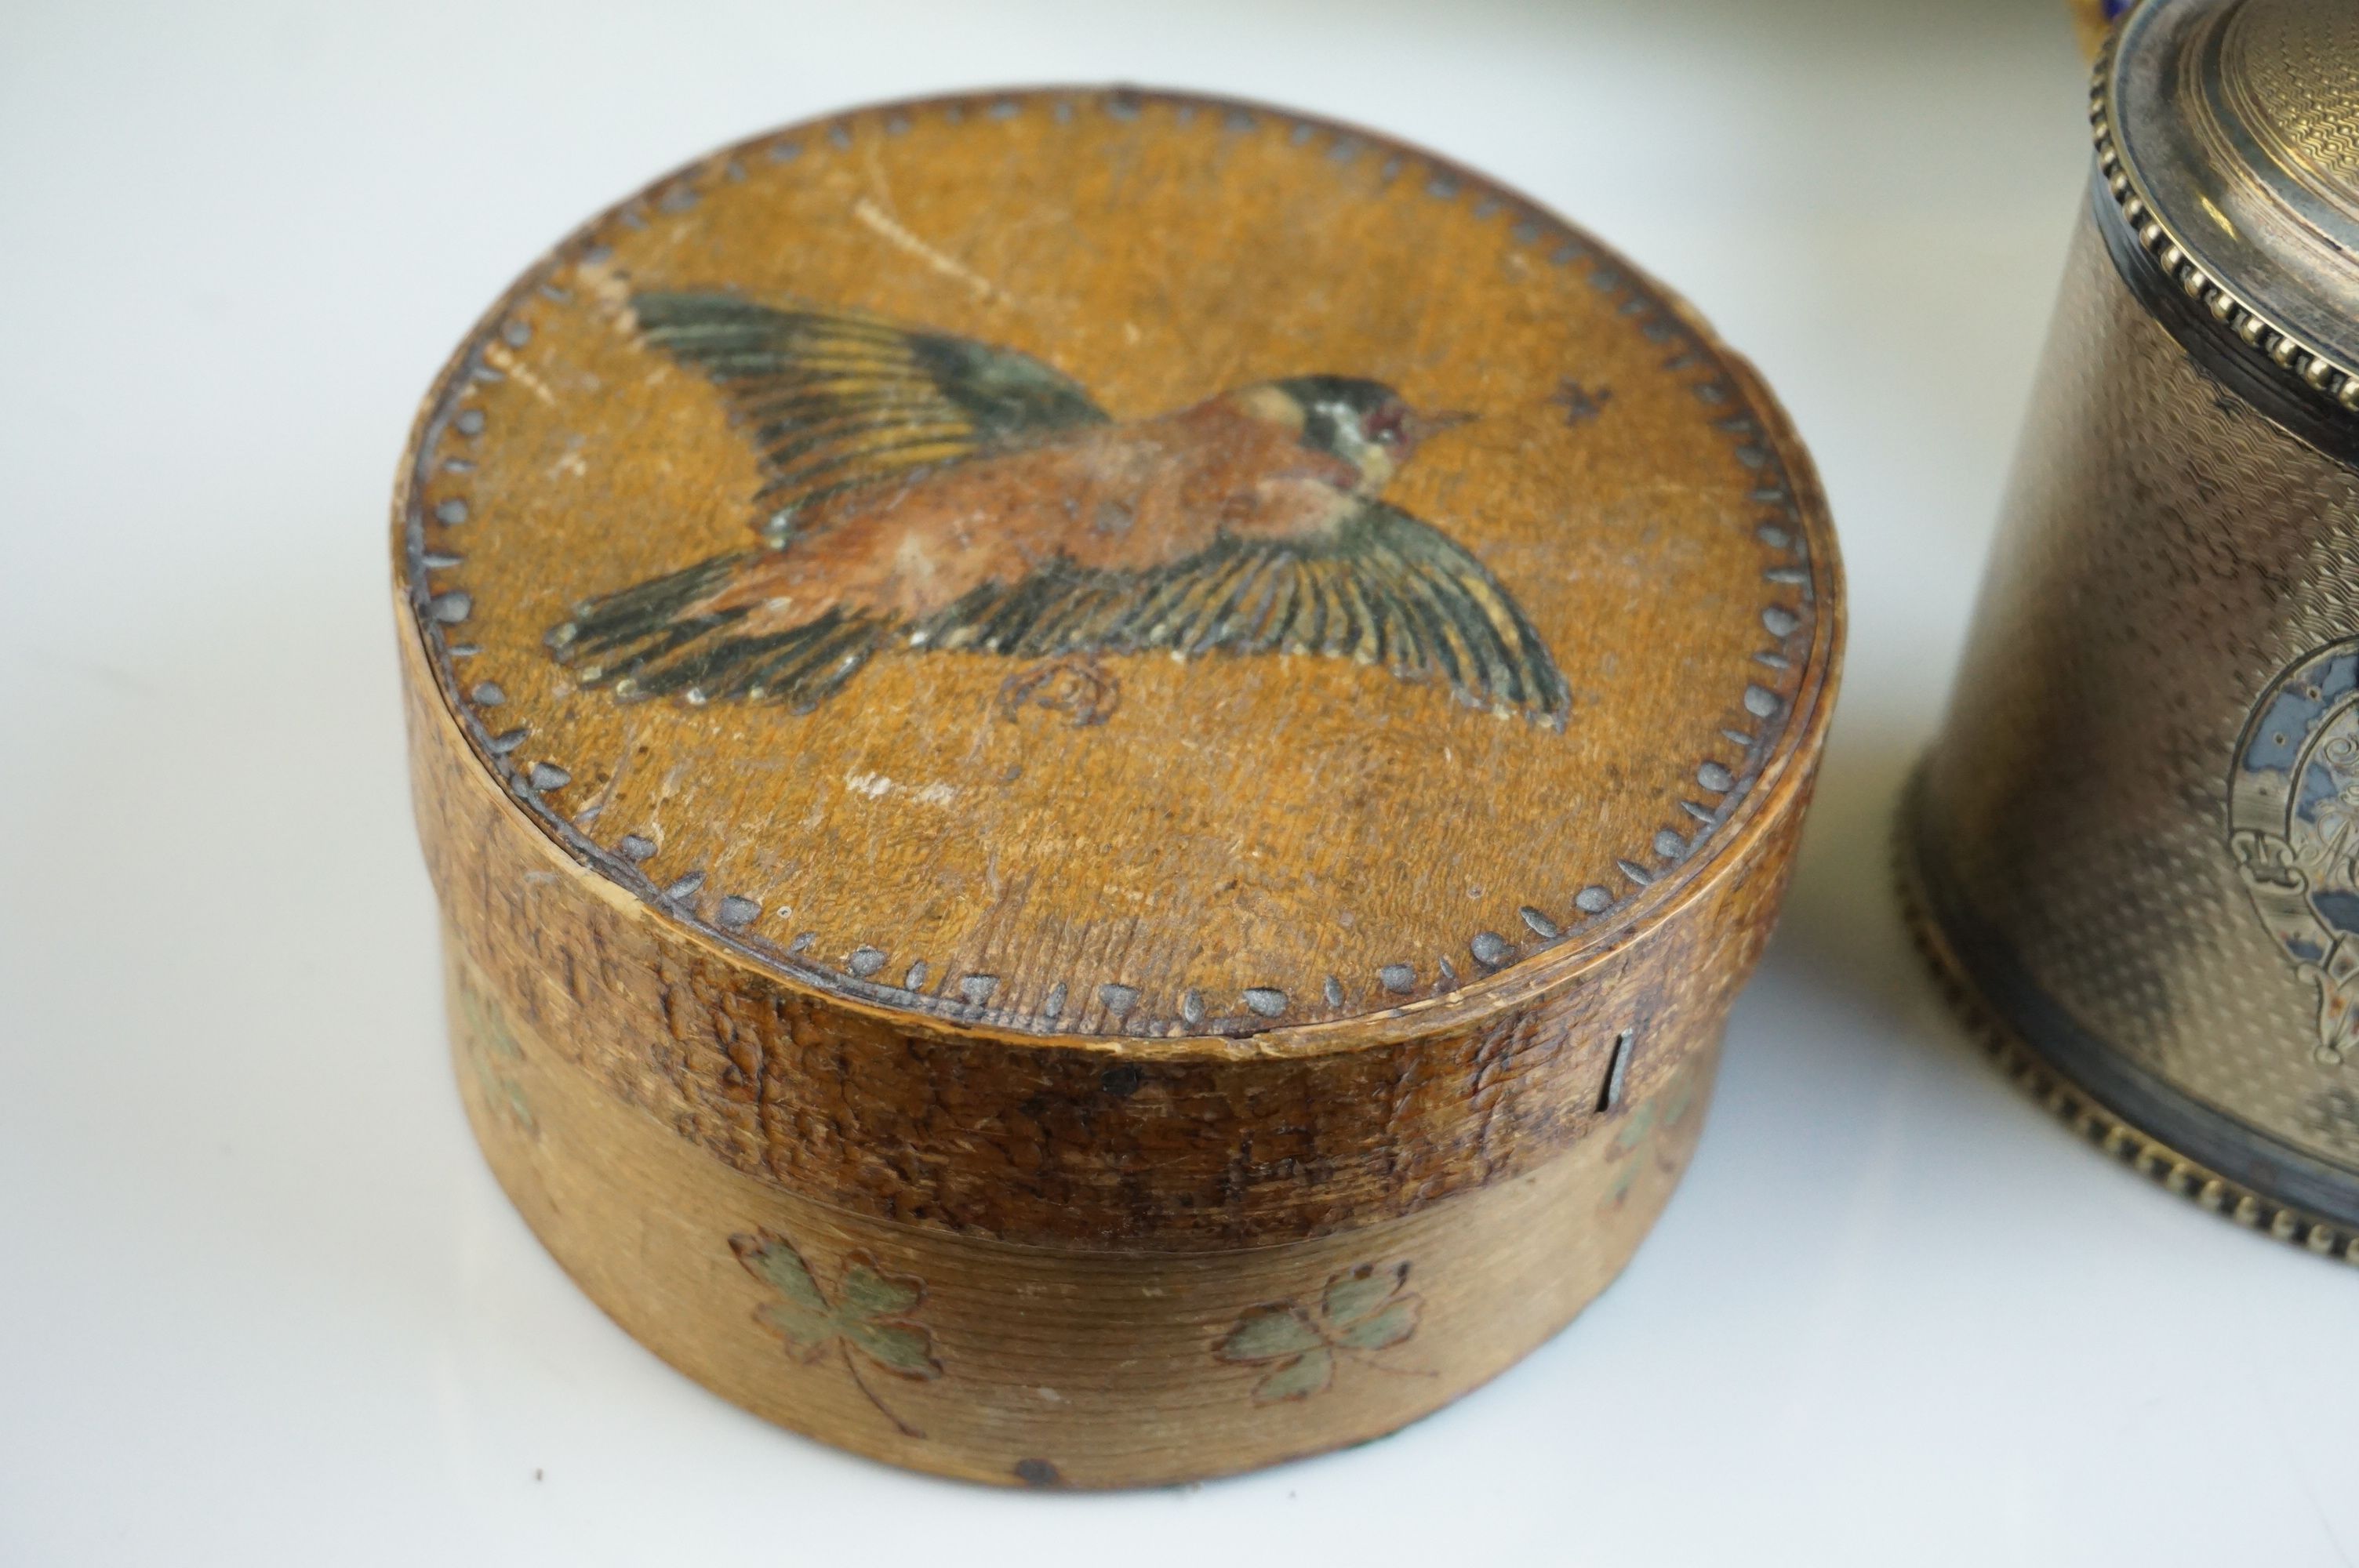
[(1385, 427)]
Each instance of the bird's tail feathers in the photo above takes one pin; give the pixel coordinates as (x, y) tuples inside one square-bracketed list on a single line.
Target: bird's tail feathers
[(652, 640)]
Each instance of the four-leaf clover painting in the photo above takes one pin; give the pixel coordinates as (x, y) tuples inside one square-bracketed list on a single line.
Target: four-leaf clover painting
[(1364, 1310), (868, 1321)]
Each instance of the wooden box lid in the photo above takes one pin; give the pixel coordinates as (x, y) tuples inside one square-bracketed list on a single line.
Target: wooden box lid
[(1079, 591)]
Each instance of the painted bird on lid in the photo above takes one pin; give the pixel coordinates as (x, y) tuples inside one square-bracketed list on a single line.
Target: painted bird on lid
[(929, 494)]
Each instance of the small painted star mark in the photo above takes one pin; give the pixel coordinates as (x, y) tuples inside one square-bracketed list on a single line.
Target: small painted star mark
[(1579, 404)]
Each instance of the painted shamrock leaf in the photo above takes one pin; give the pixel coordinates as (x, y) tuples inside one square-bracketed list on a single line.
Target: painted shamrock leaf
[(868, 1320), (492, 1049), (1363, 1311), (1661, 1114)]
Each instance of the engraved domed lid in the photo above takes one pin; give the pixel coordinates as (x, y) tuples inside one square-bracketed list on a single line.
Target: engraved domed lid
[(2229, 131), (1115, 564)]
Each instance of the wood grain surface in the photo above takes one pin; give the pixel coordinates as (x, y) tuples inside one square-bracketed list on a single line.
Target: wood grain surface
[(1239, 823), (1052, 1366), (1017, 994)]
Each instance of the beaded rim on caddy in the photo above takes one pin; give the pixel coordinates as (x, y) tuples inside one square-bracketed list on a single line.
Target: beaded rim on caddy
[(1791, 527), (2302, 365), (2067, 1100)]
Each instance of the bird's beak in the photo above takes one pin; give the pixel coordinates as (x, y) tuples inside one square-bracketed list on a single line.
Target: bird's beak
[(1423, 426)]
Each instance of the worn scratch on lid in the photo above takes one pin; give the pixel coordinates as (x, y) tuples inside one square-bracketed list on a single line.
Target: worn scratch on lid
[(883, 224)]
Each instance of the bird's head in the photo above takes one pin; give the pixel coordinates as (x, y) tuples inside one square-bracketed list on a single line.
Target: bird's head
[(1366, 423)]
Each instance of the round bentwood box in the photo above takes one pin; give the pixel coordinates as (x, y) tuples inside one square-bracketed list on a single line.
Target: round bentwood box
[(1099, 766)]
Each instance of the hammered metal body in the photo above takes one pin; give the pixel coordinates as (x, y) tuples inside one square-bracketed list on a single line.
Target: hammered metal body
[(2133, 842)]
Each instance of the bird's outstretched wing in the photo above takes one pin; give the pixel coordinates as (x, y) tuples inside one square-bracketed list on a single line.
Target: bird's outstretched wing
[(833, 400), (1381, 587), (651, 639)]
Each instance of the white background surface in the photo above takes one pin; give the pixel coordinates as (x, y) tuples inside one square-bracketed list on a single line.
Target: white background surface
[(260, 1301)]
